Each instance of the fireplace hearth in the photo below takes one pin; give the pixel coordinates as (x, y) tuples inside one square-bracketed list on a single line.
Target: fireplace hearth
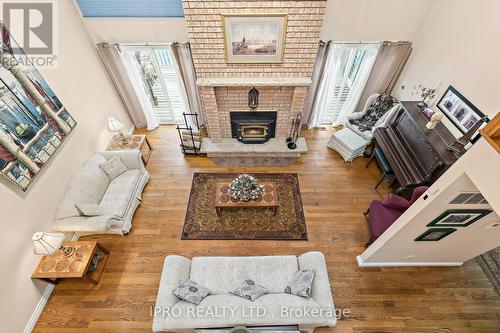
[(253, 127)]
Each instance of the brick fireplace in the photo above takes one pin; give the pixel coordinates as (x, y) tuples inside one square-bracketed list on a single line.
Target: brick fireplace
[(224, 86)]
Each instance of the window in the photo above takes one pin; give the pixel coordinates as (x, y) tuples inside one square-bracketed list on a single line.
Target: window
[(351, 60), (162, 83), (356, 63)]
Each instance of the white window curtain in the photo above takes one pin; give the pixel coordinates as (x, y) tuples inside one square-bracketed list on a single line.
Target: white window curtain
[(346, 73), (129, 59)]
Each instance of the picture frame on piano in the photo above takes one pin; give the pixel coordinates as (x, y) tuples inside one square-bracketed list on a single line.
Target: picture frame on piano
[(460, 111)]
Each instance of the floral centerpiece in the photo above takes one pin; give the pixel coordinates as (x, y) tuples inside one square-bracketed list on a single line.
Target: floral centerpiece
[(245, 188)]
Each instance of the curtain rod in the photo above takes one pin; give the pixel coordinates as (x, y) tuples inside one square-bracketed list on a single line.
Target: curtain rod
[(385, 42), (144, 44)]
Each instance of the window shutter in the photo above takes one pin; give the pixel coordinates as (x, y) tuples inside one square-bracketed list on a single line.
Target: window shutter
[(350, 63), (167, 89)]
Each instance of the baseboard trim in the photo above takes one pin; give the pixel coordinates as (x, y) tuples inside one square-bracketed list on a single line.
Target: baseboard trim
[(361, 263), (43, 300), (38, 309)]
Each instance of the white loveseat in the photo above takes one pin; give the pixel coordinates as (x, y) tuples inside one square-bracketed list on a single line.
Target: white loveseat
[(221, 309), (118, 199)]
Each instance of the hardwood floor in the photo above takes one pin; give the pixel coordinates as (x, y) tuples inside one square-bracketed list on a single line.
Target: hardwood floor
[(334, 194)]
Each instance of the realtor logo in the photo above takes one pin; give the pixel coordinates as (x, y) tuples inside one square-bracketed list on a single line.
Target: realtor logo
[(31, 24)]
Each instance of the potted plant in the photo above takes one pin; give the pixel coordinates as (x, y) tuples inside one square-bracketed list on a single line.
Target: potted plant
[(426, 94)]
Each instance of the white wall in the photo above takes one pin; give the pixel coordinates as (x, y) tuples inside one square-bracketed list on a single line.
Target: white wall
[(353, 20), (375, 20), (137, 30), (477, 169), (82, 85), (459, 46)]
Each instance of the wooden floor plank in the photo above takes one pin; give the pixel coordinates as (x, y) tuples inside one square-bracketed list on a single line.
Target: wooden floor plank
[(334, 194)]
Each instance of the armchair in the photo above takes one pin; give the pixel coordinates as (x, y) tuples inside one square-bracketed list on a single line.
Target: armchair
[(382, 214), (382, 122)]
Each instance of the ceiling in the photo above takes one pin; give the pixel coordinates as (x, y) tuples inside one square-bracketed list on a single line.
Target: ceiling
[(131, 8)]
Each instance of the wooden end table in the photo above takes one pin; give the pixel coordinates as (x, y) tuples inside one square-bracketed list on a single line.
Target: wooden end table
[(57, 266), (136, 142), (269, 198)]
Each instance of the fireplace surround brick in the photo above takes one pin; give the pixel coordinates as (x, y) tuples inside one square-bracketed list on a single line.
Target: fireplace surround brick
[(204, 24)]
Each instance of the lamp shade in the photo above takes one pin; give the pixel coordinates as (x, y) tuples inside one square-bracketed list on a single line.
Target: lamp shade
[(114, 125), (46, 243)]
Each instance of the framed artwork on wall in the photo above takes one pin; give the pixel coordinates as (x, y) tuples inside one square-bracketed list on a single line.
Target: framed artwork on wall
[(459, 217), (254, 38), (33, 121), (462, 113), (434, 235)]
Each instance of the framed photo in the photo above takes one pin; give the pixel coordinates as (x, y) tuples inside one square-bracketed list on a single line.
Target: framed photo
[(459, 217), (460, 111), (434, 235), (254, 38)]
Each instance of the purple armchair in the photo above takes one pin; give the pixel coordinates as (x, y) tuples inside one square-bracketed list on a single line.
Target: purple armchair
[(382, 214)]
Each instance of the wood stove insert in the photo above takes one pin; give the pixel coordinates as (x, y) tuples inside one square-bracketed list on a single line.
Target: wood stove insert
[(253, 127)]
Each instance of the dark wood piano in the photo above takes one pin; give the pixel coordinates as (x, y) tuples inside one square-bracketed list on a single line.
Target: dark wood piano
[(417, 155)]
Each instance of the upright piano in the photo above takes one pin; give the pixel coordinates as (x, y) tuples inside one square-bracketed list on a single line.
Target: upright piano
[(417, 155)]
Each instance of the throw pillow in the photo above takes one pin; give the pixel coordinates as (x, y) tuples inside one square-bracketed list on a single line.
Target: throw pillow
[(87, 209), (250, 290), (191, 292), (113, 168), (301, 284)]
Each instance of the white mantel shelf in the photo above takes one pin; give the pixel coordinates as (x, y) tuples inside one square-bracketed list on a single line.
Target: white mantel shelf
[(253, 81)]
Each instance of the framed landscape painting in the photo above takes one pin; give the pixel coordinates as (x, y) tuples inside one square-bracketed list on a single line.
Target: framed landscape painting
[(254, 38), (460, 111)]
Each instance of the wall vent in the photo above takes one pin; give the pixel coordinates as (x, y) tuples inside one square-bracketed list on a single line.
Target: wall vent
[(469, 198)]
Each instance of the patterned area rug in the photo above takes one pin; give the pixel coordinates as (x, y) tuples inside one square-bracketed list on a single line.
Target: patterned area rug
[(202, 221), (490, 263)]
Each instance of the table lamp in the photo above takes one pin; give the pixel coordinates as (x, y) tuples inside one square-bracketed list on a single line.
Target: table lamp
[(46, 243), (116, 127)]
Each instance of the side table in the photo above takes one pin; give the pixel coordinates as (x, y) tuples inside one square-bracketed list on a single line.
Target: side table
[(135, 142), (57, 266)]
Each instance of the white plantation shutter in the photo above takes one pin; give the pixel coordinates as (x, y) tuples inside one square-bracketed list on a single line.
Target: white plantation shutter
[(167, 89), (164, 110), (341, 87)]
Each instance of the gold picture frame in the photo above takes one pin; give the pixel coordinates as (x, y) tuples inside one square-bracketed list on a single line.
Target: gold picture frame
[(270, 49)]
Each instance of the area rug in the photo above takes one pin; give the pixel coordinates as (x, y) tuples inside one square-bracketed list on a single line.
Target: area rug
[(490, 263), (202, 222)]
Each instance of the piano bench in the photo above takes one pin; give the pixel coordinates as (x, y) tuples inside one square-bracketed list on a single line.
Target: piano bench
[(387, 173)]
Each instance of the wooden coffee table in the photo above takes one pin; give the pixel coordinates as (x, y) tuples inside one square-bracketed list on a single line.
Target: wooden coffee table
[(269, 198), (57, 266)]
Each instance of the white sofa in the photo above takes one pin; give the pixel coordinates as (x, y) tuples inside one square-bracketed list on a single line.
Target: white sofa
[(224, 274), (118, 199), (382, 122)]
